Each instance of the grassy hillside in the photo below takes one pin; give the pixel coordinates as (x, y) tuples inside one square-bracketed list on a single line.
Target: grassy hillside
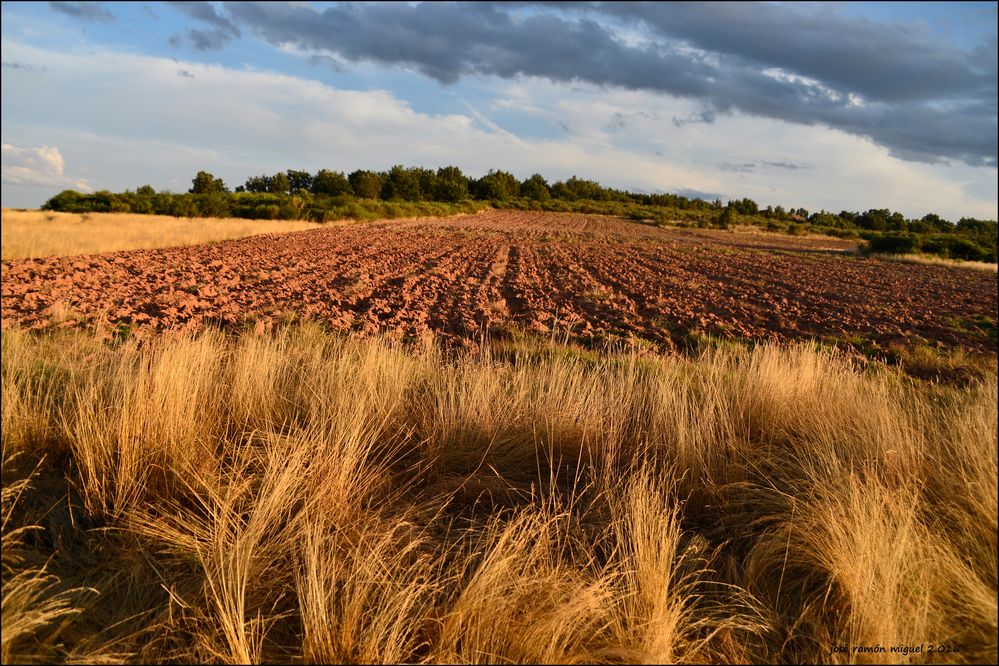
[(308, 496)]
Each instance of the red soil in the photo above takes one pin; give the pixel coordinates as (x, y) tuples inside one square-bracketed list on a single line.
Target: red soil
[(461, 276)]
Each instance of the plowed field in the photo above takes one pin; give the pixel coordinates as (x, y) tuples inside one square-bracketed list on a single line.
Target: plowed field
[(593, 276)]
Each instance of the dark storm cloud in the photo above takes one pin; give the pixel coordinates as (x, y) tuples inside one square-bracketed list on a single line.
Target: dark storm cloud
[(83, 10), (446, 42), (921, 98), (204, 11), (208, 40), (889, 62), (221, 29)]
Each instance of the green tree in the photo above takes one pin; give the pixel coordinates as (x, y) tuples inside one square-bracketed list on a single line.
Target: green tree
[(401, 183), (299, 180), (258, 184), (496, 185), (536, 188), (585, 189), (562, 191), (206, 183), (970, 224), (279, 184), (876, 219), (744, 206), (365, 184), (67, 201), (332, 183), (427, 181), (452, 185)]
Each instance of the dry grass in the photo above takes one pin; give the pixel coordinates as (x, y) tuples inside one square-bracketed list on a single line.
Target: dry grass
[(38, 233), (302, 496), (936, 261)]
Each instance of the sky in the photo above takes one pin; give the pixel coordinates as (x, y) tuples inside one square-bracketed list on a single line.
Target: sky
[(834, 106)]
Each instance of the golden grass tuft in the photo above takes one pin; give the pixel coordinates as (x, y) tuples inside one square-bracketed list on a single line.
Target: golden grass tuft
[(929, 260), (306, 496), (39, 233)]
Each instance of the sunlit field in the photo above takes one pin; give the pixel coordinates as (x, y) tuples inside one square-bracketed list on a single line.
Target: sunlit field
[(35, 233), (309, 496), (936, 261)]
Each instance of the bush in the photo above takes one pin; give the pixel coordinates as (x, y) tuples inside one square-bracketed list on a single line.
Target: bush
[(727, 218), (958, 248), (893, 244), (267, 212)]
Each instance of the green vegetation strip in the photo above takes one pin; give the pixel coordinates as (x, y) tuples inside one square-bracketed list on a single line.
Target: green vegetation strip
[(412, 191)]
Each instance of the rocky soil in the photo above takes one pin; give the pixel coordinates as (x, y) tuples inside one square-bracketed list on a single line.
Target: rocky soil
[(593, 277)]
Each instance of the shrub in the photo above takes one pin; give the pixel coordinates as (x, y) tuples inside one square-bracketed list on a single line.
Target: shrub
[(893, 244)]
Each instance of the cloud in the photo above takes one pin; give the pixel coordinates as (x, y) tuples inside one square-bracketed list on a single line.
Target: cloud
[(90, 11), (791, 166), (896, 84), (134, 120), (737, 168), (698, 194), (36, 167), (21, 66), (326, 60), (221, 31), (208, 40), (880, 61)]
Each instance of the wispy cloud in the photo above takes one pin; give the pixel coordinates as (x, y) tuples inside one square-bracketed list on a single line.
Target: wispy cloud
[(737, 168), (790, 166), (20, 66)]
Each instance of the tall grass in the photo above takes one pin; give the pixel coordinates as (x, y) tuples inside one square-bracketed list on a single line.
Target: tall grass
[(35, 233), (930, 260), (309, 496)]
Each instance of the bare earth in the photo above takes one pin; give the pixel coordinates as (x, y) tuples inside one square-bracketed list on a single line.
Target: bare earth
[(464, 275)]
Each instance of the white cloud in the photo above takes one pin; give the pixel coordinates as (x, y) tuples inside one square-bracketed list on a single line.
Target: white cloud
[(37, 167), (131, 119)]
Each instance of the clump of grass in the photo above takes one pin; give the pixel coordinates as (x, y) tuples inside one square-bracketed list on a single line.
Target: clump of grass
[(308, 496), (930, 260)]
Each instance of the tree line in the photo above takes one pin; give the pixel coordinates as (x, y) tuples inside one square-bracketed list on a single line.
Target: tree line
[(364, 194), (297, 191)]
